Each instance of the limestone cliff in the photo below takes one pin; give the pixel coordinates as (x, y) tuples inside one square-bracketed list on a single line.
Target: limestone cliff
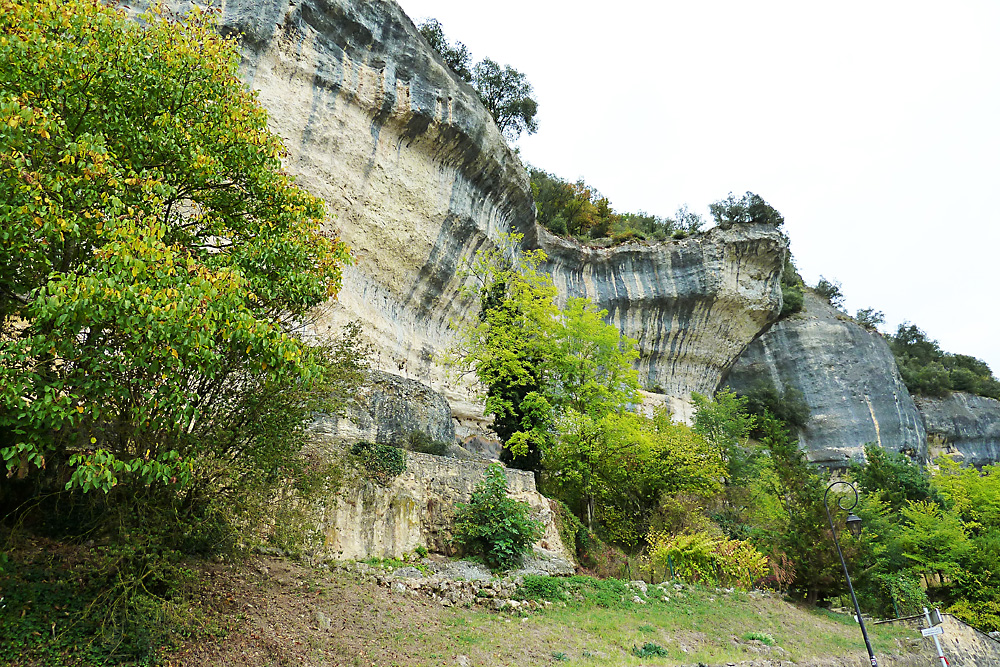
[(964, 425), (417, 178), (692, 305), (848, 377)]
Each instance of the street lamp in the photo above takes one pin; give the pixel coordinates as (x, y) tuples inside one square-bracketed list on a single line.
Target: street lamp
[(853, 525)]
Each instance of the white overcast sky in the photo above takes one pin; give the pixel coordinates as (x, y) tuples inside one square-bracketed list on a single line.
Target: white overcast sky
[(874, 127)]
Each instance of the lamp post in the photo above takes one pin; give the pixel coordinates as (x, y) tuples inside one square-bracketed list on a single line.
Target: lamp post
[(853, 525)]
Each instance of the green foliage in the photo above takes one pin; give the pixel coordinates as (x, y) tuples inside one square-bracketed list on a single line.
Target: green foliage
[(748, 209), (792, 298), (495, 526), (504, 91), (789, 405), (508, 96), (928, 370), (578, 209), (870, 318), (419, 441), (893, 477), (576, 590), (726, 423), (831, 291), (144, 210), (457, 56), (762, 637), (650, 650), (708, 559), (382, 463)]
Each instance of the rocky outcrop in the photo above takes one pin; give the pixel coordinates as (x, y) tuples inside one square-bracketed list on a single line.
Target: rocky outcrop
[(417, 178), (692, 305), (848, 377), (963, 425), (387, 410), (417, 510)]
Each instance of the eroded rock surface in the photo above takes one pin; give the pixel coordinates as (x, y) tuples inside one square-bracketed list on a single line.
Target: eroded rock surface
[(417, 510), (387, 409), (848, 377), (964, 425), (418, 178), (692, 305)]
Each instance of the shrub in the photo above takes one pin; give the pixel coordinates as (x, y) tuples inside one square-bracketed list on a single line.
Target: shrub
[(707, 559), (418, 441), (497, 527), (382, 463), (748, 209), (870, 318), (762, 637), (789, 405), (831, 291), (650, 650), (792, 300)]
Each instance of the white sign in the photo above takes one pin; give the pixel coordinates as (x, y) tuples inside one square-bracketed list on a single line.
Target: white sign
[(930, 632)]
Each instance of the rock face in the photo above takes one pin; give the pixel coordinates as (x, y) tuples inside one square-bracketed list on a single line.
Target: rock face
[(418, 508), (417, 178), (848, 377), (387, 410), (692, 305), (963, 424)]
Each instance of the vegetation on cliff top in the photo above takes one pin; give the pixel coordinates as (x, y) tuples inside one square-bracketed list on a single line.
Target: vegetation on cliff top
[(504, 91)]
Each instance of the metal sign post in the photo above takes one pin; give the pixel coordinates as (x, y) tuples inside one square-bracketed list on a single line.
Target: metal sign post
[(933, 630)]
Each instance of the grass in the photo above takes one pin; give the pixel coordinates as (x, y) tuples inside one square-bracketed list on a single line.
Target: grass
[(596, 621)]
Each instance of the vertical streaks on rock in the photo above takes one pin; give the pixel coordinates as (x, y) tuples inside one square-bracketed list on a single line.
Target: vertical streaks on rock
[(848, 377)]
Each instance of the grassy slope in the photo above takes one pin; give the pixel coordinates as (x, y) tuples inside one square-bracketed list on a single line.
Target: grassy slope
[(369, 625)]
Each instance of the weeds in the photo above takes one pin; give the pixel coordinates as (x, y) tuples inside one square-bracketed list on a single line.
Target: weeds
[(762, 637), (650, 650)]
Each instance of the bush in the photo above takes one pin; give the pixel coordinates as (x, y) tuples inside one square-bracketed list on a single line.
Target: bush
[(497, 527), (831, 291), (707, 559), (792, 300), (870, 318), (418, 441), (788, 405), (382, 463), (748, 209)]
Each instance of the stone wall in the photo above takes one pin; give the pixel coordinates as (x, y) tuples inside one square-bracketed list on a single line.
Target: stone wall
[(417, 509)]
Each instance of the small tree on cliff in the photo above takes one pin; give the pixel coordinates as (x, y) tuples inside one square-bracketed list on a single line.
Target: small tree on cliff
[(504, 91)]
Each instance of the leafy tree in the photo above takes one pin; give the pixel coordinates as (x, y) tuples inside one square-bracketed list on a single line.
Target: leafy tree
[(504, 91), (748, 209), (892, 477), (789, 404), (457, 56), (805, 538), (508, 95), (156, 260), (494, 525), (509, 346), (927, 369), (934, 541), (726, 423), (831, 291), (870, 318)]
